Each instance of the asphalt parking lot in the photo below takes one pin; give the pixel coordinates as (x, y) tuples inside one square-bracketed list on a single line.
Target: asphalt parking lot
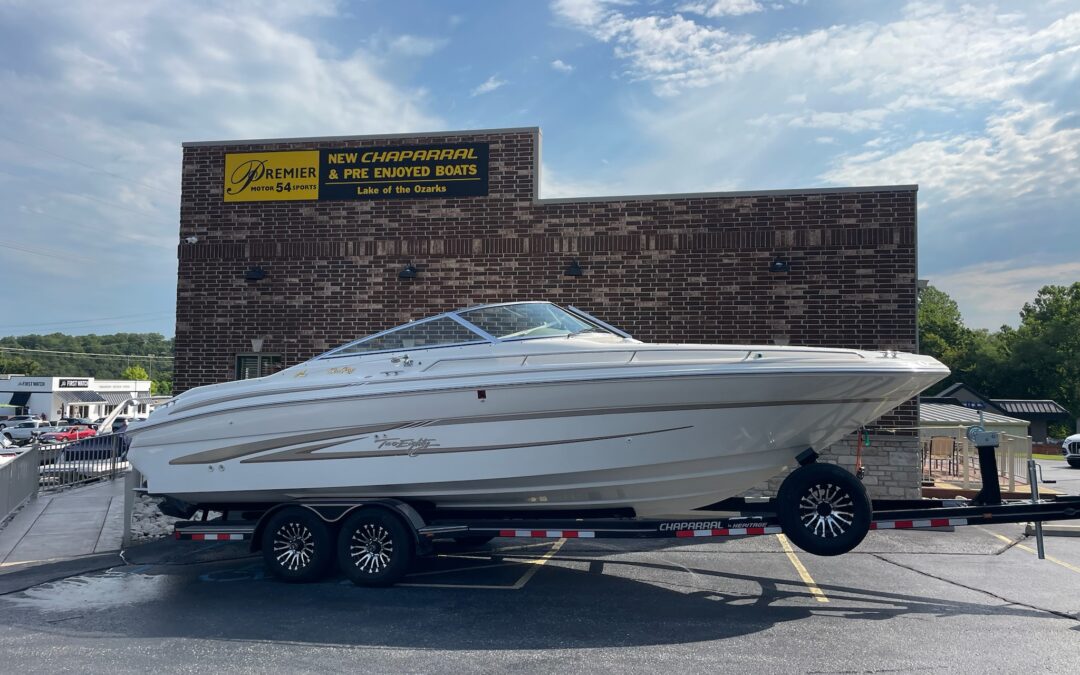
[(975, 599)]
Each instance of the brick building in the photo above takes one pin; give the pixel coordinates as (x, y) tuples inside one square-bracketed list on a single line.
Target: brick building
[(301, 272)]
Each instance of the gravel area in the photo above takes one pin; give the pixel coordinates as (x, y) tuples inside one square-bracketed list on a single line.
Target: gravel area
[(147, 522)]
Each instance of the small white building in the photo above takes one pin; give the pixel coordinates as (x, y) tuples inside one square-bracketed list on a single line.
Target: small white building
[(58, 397)]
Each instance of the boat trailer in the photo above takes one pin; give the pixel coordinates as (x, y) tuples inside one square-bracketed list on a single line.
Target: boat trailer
[(755, 518), (821, 508)]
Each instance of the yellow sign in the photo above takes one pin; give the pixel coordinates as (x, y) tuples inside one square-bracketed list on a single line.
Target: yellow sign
[(271, 176)]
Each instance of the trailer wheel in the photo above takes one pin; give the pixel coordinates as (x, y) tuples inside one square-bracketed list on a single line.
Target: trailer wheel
[(374, 548), (823, 509), (297, 545)]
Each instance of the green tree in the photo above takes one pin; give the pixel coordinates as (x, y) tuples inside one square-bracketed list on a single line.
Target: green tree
[(18, 365), (161, 387), (942, 333), (1044, 352), (134, 373)]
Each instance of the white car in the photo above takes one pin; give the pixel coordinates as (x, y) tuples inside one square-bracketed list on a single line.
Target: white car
[(1070, 447), (16, 420), (24, 432)]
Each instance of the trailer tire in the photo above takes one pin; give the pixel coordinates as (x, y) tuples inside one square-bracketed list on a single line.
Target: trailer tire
[(374, 548), (823, 509), (297, 546)]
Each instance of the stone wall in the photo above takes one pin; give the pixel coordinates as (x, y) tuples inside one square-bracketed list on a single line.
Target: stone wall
[(891, 464)]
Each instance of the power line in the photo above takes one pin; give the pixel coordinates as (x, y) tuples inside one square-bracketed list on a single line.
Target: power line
[(95, 354), (90, 166), (98, 320), (59, 256), (84, 225)]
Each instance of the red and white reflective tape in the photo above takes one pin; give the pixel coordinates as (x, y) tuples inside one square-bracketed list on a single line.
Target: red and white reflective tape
[(548, 534), (914, 524), (211, 536), (728, 532)]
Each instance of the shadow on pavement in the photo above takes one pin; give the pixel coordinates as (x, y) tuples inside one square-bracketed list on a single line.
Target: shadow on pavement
[(574, 602)]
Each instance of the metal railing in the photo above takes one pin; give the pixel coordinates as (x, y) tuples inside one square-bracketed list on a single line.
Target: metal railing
[(91, 459), (18, 481), (959, 462)]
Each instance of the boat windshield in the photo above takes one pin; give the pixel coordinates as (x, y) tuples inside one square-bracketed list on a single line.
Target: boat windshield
[(432, 333), (513, 321), (528, 320)]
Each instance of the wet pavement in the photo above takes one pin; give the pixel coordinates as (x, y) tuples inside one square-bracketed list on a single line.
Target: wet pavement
[(966, 601), (973, 599)]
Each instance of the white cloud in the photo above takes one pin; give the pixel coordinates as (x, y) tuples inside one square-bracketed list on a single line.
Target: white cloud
[(489, 85), (991, 294), (974, 103), (561, 66), (106, 93), (715, 8), (416, 45), (1021, 152)]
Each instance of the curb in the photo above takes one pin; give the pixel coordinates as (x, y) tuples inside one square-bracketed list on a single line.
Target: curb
[(29, 575), (1054, 530)]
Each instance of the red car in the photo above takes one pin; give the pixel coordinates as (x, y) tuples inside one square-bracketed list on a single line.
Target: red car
[(68, 434)]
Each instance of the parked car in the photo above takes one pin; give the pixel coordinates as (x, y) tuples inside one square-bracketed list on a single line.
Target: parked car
[(24, 432), (1070, 448), (75, 420), (16, 420), (86, 460), (119, 424), (66, 434)]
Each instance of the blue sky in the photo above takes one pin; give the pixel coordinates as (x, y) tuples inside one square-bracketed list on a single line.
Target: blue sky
[(978, 103)]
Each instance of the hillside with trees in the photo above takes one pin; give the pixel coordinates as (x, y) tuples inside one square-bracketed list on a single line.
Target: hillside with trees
[(90, 356), (1038, 359)]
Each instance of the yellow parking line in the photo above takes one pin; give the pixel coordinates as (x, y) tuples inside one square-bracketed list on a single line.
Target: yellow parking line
[(534, 565), (1068, 566), (538, 563), (818, 594)]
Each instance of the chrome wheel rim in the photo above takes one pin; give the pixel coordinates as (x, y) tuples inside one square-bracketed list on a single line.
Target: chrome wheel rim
[(371, 548), (294, 546), (827, 510)]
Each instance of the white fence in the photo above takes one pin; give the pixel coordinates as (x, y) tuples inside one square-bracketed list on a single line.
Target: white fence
[(86, 461), (18, 481), (956, 459)]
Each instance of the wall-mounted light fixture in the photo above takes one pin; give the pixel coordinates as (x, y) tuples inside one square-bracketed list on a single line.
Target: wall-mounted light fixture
[(780, 265), (255, 273), (408, 273), (574, 269)]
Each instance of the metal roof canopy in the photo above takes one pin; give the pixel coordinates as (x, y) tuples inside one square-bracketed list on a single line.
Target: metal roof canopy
[(1034, 407), (955, 414), (81, 396)]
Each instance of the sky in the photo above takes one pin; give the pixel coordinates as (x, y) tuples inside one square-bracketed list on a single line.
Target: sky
[(977, 103)]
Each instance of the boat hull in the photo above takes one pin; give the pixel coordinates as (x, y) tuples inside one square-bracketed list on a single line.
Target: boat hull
[(659, 444)]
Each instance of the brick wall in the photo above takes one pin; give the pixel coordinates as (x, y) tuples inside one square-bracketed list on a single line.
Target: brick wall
[(690, 268)]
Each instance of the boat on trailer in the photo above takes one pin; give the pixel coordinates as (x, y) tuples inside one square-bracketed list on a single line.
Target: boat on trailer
[(525, 406)]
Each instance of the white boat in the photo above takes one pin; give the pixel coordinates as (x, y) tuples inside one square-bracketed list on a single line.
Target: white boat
[(519, 407)]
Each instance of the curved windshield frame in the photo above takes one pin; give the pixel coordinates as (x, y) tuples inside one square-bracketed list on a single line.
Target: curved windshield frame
[(504, 322), (528, 320)]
